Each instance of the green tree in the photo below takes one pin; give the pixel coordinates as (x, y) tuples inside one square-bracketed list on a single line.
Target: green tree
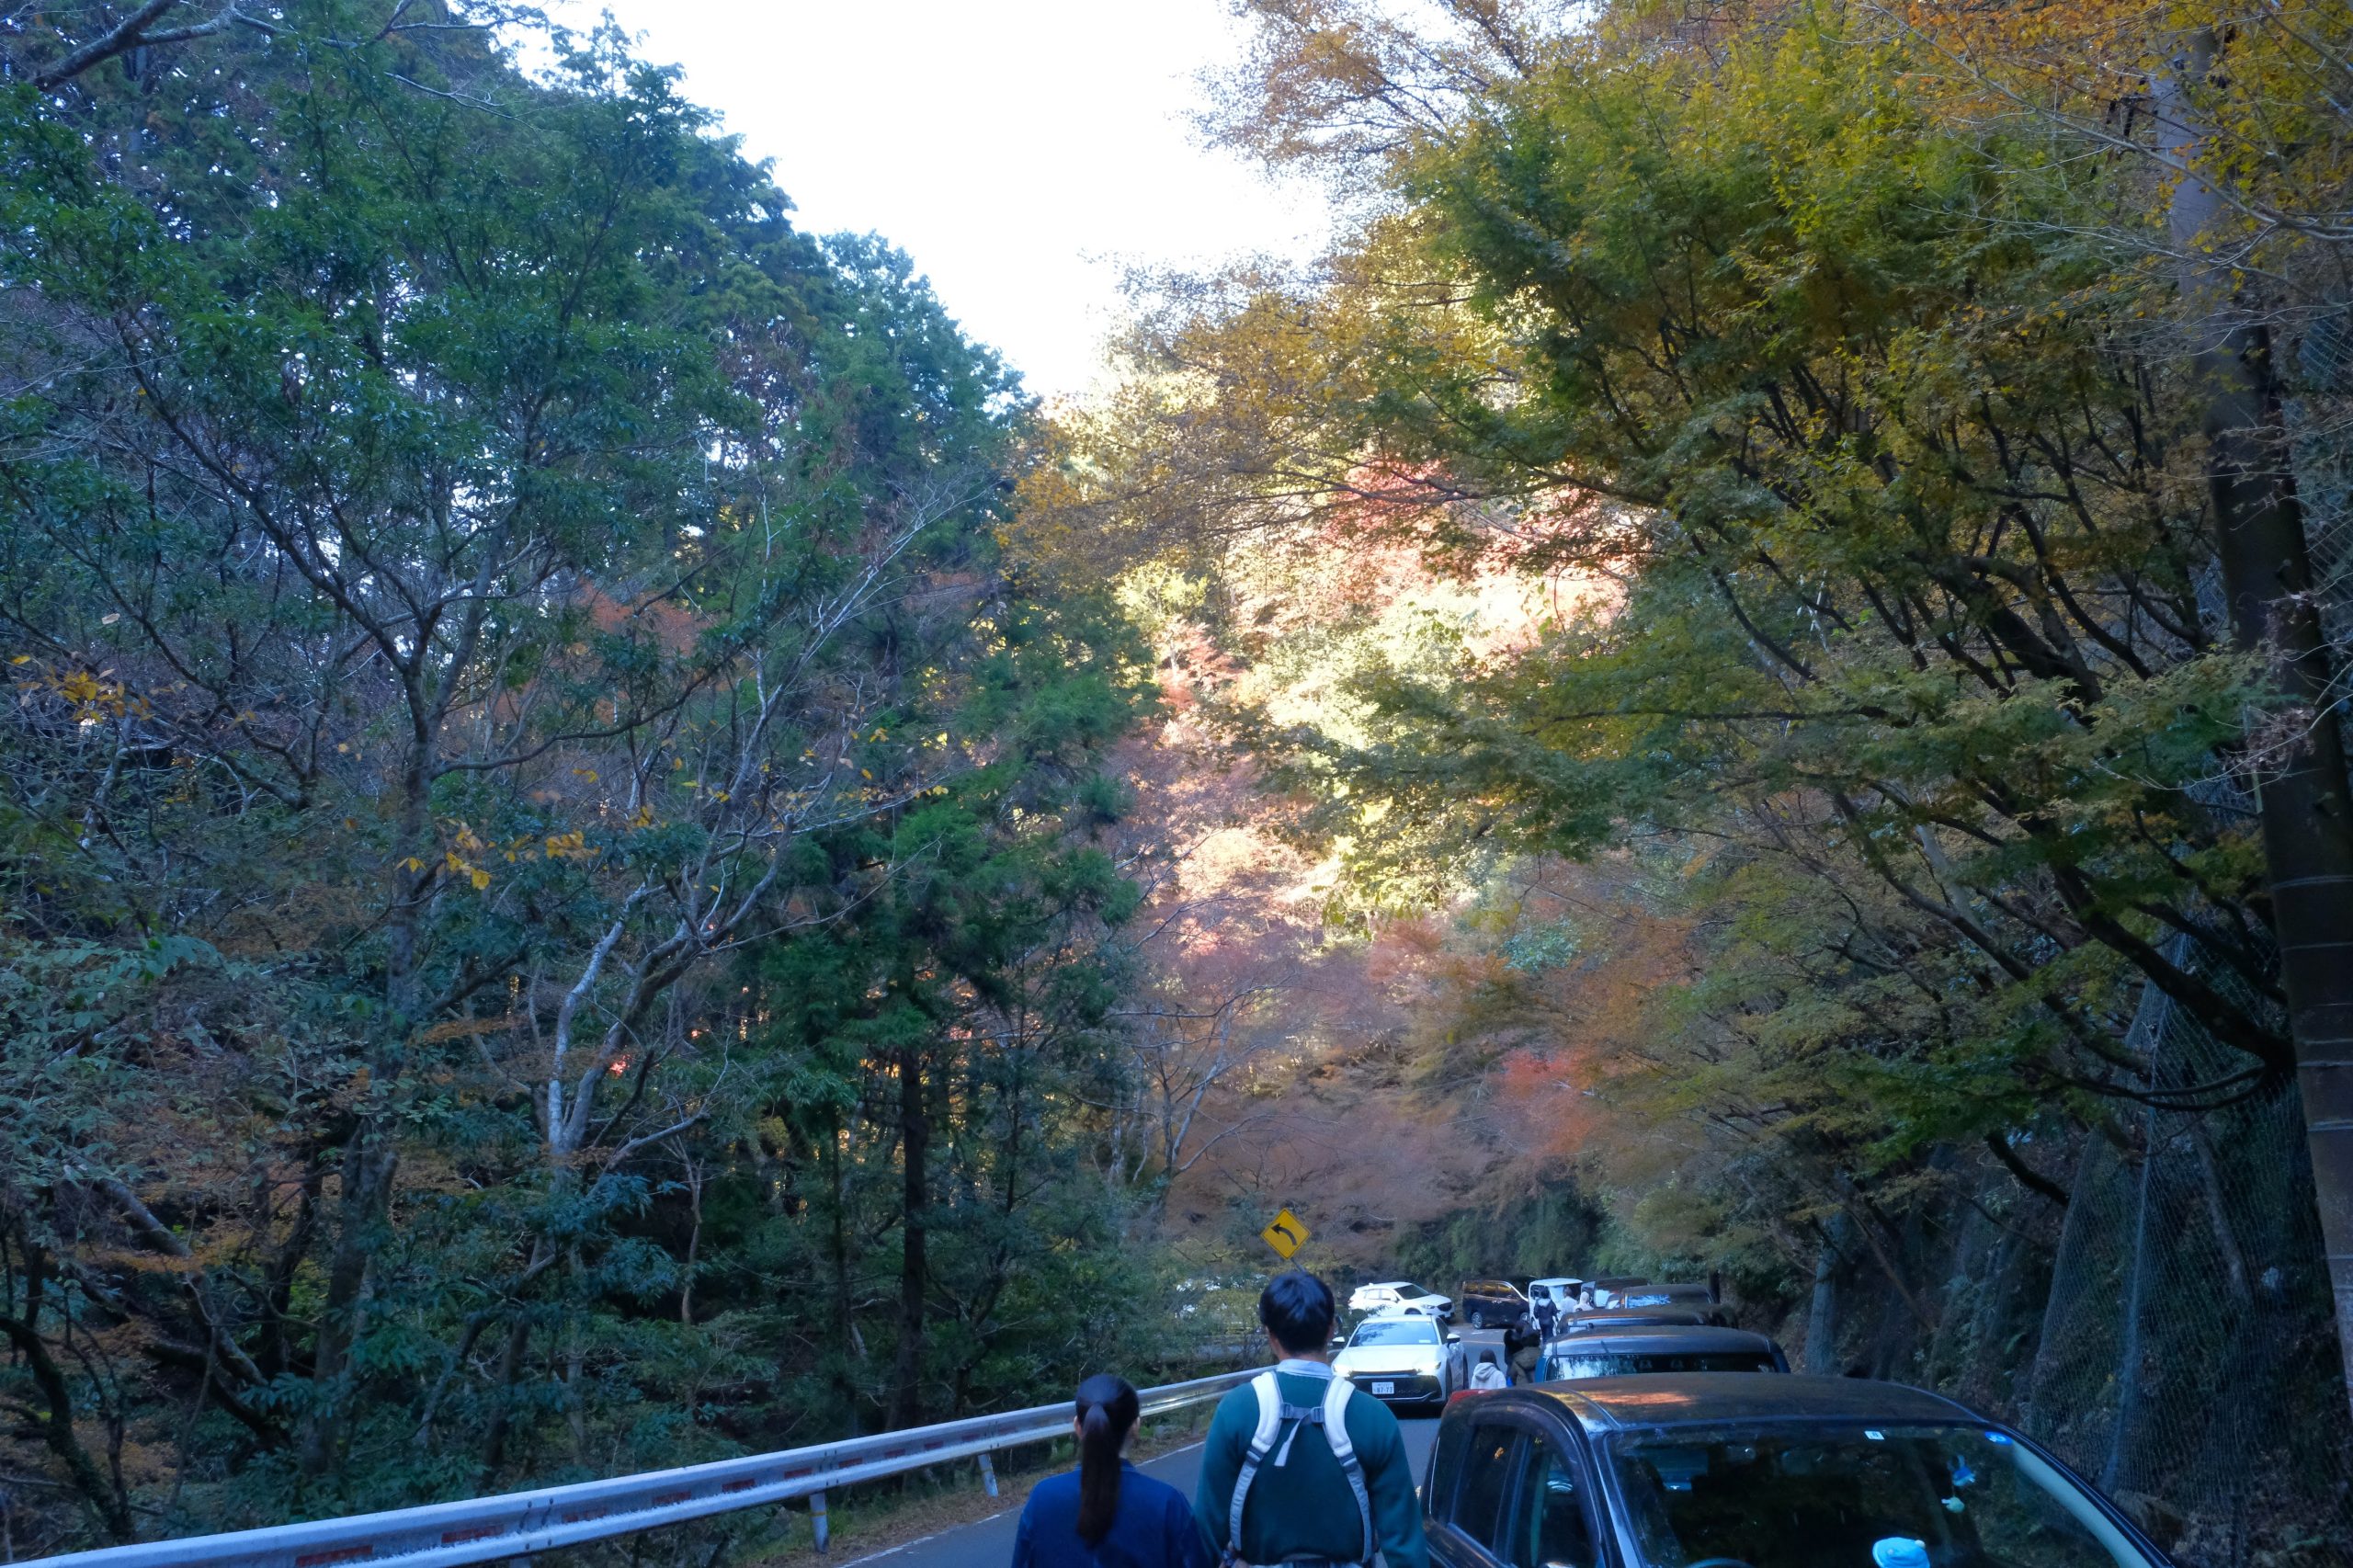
[(510, 646)]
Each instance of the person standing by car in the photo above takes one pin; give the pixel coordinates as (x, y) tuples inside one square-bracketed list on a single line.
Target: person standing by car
[(1298, 1467), (1107, 1514), (1546, 1314), (1524, 1348)]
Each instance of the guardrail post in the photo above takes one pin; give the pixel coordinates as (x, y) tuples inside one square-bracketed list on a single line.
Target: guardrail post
[(988, 1475), (817, 1517)]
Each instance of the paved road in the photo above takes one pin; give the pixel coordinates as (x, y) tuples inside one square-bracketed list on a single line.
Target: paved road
[(990, 1541)]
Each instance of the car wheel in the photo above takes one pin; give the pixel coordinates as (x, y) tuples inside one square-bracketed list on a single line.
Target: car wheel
[(1478, 1320)]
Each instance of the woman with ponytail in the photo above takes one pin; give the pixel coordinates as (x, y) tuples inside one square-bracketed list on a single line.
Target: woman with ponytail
[(1107, 1514)]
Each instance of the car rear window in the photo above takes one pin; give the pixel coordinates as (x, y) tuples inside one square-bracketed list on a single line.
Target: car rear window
[(1823, 1496), (1610, 1364)]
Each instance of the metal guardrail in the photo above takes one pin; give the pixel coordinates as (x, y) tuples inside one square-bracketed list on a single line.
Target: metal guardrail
[(493, 1529)]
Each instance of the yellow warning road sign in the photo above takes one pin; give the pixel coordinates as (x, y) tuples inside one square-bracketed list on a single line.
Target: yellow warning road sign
[(1286, 1234)]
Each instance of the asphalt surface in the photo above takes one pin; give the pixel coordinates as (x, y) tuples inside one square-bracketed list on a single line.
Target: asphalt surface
[(991, 1540)]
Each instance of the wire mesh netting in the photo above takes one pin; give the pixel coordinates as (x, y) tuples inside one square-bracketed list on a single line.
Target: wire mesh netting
[(2187, 1358)]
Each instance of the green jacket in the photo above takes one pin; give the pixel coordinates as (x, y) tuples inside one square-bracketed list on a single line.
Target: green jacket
[(1305, 1507)]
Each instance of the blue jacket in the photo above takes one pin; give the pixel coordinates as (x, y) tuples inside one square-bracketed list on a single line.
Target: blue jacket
[(1154, 1528)]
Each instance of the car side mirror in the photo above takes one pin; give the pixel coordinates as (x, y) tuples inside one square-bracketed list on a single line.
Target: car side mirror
[(1338, 1340), (1454, 1339)]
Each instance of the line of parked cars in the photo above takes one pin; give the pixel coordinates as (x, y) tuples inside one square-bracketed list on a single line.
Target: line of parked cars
[(1654, 1435)]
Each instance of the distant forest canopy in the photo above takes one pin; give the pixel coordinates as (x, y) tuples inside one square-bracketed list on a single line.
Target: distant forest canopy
[(615, 851)]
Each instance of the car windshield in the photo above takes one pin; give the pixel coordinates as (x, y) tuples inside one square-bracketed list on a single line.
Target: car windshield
[(1396, 1330), (1620, 1364), (1839, 1497)]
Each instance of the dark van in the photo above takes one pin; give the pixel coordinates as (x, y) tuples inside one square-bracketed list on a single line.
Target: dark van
[(1491, 1303)]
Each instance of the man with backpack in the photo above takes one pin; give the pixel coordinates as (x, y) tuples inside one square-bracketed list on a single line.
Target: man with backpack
[(1300, 1468)]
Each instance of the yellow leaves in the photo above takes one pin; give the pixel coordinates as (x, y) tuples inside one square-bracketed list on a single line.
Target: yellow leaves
[(95, 696), (462, 1028), (472, 873), (572, 846)]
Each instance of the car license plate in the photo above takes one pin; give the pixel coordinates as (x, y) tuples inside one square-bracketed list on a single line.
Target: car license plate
[(1384, 1388)]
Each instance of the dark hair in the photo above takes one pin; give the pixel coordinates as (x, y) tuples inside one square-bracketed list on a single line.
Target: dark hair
[(1297, 1308), (1106, 1411)]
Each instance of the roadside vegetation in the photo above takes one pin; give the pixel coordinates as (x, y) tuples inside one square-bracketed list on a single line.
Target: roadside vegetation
[(1789, 563), (614, 850), (557, 914)]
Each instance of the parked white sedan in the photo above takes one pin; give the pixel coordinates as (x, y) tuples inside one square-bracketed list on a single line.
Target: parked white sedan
[(1393, 1293), (1401, 1359)]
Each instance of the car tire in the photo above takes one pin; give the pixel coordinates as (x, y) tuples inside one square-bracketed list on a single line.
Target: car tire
[(1478, 1320)]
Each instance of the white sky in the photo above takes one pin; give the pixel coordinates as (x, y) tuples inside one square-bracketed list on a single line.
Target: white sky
[(1023, 152)]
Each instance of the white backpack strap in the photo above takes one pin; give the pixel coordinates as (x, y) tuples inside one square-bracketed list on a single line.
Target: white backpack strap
[(1344, 1449), (1262, 1441)]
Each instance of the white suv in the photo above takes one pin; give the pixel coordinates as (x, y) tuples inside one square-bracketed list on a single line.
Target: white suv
[(1393, 1294)]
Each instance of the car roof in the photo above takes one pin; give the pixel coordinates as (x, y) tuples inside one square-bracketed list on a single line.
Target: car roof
[(1556, 1279), (1666, 1338), (1688, 1398), (1606, 1318)]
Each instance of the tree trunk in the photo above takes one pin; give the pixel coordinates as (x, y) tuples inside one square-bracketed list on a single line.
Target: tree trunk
[(845, 1344), (370, 1157), (2306, 815), (369, 1164), (56, 1430), (1821, 1350), (915, 1150), (510, 1372)]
